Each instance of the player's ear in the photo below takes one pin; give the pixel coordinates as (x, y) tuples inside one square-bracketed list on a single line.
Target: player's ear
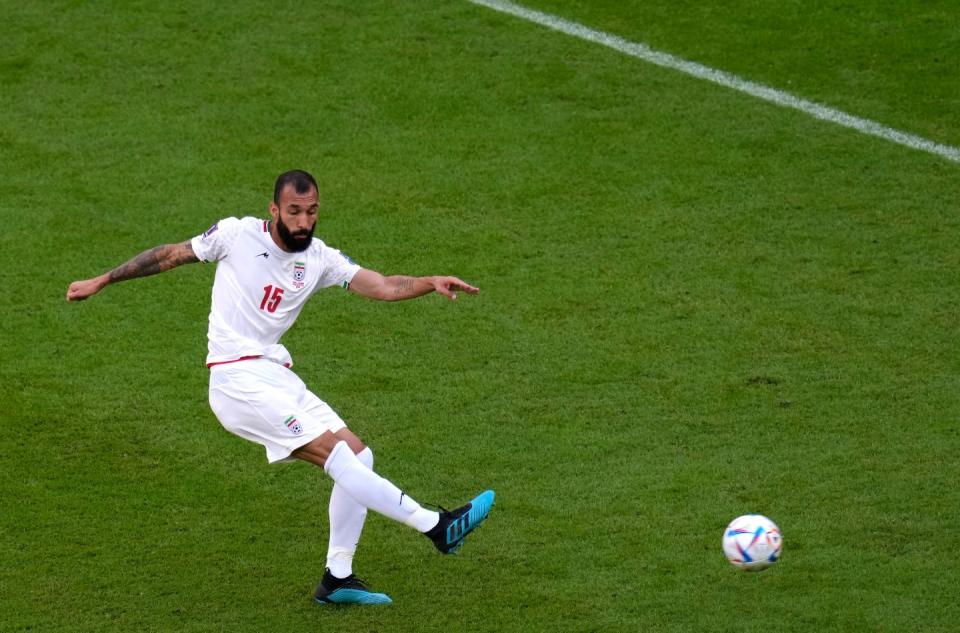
[(274, 211)]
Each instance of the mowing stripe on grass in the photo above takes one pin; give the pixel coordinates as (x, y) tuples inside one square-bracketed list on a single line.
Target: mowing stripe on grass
[(644, 52)]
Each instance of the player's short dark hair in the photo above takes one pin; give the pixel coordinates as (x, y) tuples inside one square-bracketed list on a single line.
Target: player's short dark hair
[(302, 183)]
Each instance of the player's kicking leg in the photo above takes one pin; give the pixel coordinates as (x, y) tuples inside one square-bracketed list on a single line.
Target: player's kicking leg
[(447, 530), (453, 526)]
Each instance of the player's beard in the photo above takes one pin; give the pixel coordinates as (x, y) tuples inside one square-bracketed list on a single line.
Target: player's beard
[(296, 243)]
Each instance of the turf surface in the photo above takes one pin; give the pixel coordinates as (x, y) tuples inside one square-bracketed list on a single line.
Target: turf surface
[(693, 305)]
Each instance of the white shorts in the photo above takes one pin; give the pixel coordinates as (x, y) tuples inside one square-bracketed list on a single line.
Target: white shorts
[(266, 403)]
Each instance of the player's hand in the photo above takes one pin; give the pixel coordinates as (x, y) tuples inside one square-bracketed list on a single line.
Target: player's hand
[(448, 287), (80, 290)]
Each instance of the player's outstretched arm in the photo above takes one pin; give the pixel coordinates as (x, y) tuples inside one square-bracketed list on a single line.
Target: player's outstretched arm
[(373, 285), (156, 260)]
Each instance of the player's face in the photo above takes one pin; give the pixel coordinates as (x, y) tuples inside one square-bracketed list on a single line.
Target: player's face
[(295, 217)]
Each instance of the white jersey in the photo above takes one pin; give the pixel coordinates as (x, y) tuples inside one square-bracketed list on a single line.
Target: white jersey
[(259, 289)]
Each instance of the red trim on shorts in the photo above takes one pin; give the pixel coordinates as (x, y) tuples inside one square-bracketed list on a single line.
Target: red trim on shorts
[(236, 360)]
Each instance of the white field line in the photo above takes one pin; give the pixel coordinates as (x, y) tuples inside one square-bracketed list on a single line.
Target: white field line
[(644, 52)]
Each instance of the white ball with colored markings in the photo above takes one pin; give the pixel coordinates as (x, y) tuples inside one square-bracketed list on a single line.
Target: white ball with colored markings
[(752, 542)]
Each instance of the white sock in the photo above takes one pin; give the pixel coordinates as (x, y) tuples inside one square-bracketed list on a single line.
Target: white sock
[(374, 492), (346, 523)]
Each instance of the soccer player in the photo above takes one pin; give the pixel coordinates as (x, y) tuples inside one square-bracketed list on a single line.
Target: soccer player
[(266, 272)]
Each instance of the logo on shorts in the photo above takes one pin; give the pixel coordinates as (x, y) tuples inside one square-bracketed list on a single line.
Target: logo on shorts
[(293, 425), (299, 274)]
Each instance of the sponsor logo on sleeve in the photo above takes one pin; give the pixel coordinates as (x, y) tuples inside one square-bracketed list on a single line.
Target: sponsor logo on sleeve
[(211, 230)]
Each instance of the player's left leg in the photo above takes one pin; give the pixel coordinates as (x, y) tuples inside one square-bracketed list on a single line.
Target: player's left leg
[(349, 590), (346, 515), (267, 403), (339, 584)]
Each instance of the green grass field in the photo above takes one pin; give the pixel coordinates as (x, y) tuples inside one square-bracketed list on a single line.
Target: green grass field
[(694, 305)]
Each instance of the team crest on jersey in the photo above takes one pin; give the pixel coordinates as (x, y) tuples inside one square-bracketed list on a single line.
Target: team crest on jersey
[(299, 274), (293, 425)]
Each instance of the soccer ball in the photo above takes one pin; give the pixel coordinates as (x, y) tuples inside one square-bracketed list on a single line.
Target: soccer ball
[(752, 542)]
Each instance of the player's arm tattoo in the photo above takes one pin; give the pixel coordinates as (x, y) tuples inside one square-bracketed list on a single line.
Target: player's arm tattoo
[(402, 286), (156, 260)]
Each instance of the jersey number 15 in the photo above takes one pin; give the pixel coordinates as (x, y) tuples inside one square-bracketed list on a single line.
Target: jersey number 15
[(271, 298)]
